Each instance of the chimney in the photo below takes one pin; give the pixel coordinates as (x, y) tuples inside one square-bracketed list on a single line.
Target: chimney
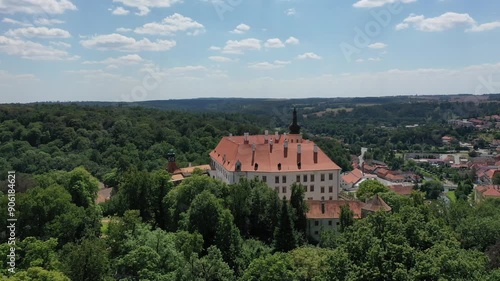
[(276, 136), (271, 146), (246, 138), (189, 165), (315, 154), (266, 135), (299, 154), (253, 153), (285, 151), (230, 135)]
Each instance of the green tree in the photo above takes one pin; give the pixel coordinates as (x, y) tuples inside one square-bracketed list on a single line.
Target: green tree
[(277, 267), (299, 208), (228, 239), (284, 235), (208, 268), (203, 217), (368, 188), (346, 217), (432, 189), (86, 261)]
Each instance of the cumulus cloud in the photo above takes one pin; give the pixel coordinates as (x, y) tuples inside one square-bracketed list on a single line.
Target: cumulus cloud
[(305, 56), (39, 32), (241, 28), (120, 11), (239, 47), (377, 45), (292, 41), (484, 27), (170, 25), (443, 22), (379, 3), (118, 42), (274, 43), (46, 21), (16, 22), (36, 7), (268, 65), (144, 6), (123, 60), (32, 50), (290, 12), (220, 59)]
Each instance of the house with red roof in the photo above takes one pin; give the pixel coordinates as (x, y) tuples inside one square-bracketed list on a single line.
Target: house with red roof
[(350, 179), (279, 160), (482, 192), (325, 215)]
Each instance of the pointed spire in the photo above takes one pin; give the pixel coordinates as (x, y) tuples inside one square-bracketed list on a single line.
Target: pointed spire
[(294, 127)]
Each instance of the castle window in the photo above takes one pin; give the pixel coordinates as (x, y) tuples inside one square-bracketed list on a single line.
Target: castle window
[(322, 177), (276, 179), (283, 179), (298, 178), (284, 189), (264, 178), (322, 189), (330, 176), (312, 177), (311, 188), (330, 189), (305, 178), (316, 223)]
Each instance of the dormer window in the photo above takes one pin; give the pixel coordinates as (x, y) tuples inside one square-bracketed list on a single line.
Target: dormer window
[(256, 166), (238, 166), (279, 166)]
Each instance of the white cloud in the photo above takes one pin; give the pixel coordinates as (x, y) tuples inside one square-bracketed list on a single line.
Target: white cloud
[(122, 43), (241, 28), (32, 50), (268, 65), (39, 32), (292, 41), (377, 45), (239, 47), (290, 12), (123, 29), (360, 60), (443, 22), (16, 22), (214, 48), (123, 60), (36, 6), (170, 25), (46, 21), (120, 11), (220, 59), (274, 43), (484, 27), (9, 77), (144, 6), (375, 59), (379, 3), (63, 45), (308, 56)]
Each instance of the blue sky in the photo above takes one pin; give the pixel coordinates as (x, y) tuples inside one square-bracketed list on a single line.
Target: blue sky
[(131, 50)]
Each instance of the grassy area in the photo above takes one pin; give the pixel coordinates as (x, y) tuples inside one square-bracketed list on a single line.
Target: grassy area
[(452, 196), (104, 226)]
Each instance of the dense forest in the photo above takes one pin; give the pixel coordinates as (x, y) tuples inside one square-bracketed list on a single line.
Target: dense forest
[(204, 229)]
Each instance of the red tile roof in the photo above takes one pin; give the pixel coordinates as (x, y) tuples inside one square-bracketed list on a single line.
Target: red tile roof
[(233, 148), (332, 209), (401, 189), (489, 190), (376, 204), (393, 177), (353, 177), (190, 170)]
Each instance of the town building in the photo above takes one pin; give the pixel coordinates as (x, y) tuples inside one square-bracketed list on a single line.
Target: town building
[(279, 160), (482, 192)]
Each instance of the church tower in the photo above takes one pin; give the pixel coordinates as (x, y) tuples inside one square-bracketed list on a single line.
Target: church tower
[(294, 127), (172, 166)]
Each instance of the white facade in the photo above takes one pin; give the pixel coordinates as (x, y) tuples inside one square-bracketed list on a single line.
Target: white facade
[(321, 185)]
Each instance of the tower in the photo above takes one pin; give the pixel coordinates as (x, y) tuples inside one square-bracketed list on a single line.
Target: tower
[(294, 127), (172, 166)]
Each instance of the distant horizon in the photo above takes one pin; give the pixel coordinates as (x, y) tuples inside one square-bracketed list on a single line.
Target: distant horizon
[(133, 50), (253, 98)]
